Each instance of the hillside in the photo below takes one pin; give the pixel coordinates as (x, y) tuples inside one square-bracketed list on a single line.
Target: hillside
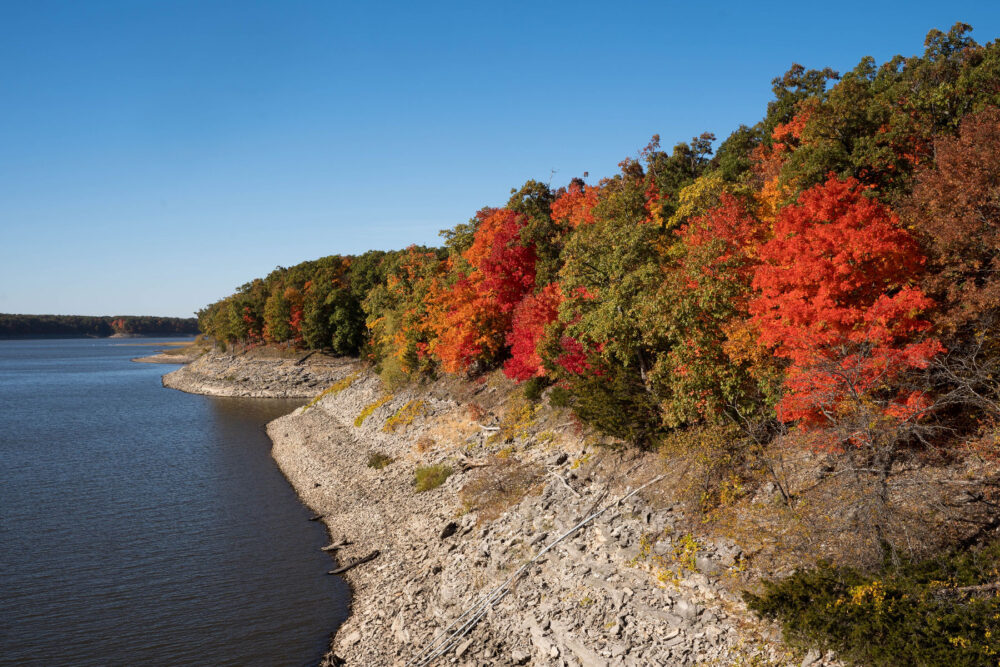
[(805, 315)]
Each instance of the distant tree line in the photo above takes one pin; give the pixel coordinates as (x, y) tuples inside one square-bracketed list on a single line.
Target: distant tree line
[(27, 326)]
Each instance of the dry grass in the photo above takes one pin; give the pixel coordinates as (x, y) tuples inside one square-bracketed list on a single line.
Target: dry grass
[(370, 408), (475, 412), (405, 416), (424, 444), (378, 460), (334, 389), (498, 486)]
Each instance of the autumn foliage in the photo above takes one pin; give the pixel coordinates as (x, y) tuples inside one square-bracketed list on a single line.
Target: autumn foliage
[(473, 317), (956, 207), (771, 280), (835, 297), (531, 318), (575, 207)]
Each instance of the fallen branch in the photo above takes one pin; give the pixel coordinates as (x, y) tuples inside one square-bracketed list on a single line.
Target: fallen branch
[(353, 564), (967, 590), (565, 483), (301, 359), (336, 545)]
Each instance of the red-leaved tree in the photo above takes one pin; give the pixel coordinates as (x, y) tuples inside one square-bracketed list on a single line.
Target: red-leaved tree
[(472, 318), (836, 298), (531, 317)]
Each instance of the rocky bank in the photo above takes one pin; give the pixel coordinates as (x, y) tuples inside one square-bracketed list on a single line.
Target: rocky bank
[(258, 374), (632, 587)]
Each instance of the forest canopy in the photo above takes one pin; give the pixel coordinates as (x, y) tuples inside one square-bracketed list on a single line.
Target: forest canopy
[(811, 270)]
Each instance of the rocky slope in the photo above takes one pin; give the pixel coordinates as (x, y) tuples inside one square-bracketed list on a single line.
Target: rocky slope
[(626, 589), (633, 586)]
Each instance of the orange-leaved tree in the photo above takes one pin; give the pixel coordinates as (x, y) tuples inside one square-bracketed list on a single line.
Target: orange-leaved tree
[(575, 207), (836, 298)]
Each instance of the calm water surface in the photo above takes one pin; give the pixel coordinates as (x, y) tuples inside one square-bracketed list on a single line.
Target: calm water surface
[(142, 525)]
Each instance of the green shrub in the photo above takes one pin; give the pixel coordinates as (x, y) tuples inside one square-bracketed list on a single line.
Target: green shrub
[(534, 387), (378, 460), (617, 403), (560, 397), (430, 477), (916, 614)]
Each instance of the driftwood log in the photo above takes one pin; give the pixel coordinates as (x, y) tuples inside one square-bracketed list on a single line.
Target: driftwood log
[(301, 360), (353, 564), (316, 517), (336, 545)]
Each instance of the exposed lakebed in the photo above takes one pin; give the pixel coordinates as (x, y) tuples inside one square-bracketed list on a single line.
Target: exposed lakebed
[(141, 525)]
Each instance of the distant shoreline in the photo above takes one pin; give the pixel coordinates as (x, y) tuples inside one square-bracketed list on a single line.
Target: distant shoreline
[(65, 336)]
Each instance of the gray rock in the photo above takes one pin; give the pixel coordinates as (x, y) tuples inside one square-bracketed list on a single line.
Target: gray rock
[(706, 565), (687, 609), (462, 648), (812, 657), (520, 656)]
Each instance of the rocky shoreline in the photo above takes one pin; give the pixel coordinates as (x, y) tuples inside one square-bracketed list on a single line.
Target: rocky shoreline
[(169, 358), (258, 376), (630, 588)]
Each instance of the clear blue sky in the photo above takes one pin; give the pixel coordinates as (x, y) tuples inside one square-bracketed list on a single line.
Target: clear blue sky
[(154, 155)]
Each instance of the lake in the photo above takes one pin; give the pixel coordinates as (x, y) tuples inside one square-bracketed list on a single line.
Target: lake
[(142, 525)]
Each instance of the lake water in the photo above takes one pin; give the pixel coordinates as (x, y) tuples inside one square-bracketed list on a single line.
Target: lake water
[(144, 526)]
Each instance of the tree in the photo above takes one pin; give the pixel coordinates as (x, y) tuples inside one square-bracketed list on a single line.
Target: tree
[(397, 313), (277, 312), (471, 319), (575, 206), (836, 298), (705, 293), (790, 89), (955, 208), (532, 316)]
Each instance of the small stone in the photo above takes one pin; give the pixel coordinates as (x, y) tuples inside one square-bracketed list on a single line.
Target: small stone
[(811, 658), (706, 565), (462, 648), (687, 610), (554, 651)]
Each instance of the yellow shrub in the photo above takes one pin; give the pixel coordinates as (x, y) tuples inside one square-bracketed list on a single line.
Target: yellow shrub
[(336, 388), (405, 416), (370, 408)]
